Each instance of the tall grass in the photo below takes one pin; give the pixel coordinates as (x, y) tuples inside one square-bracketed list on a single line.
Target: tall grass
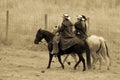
[(27, 16)]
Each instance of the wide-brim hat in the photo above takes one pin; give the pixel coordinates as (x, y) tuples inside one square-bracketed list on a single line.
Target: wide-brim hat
[(84, 17), (66, 16), (80, 17)]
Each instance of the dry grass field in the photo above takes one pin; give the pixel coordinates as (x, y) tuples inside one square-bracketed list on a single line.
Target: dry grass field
[(20, 59), (24, 64)]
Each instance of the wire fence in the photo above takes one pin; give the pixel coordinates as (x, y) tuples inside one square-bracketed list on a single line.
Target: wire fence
[(20, 29), (16, 28)]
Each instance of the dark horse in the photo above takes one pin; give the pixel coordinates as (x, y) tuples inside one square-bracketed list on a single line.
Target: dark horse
[(78, 49)]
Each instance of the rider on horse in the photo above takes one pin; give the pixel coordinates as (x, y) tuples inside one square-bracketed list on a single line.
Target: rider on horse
[(67, 36), (80, 27)]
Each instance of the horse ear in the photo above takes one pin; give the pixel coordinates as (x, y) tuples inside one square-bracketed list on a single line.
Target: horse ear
[(40, 29)]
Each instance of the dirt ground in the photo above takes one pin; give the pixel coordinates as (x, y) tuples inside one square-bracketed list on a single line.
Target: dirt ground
[(18, 61), (24, 64)]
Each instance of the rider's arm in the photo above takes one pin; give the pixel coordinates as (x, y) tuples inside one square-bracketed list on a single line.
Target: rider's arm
[(76, 30), (61, 29)]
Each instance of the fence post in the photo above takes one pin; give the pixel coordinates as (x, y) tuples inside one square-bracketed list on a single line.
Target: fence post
[(45, 21), (7, 25)]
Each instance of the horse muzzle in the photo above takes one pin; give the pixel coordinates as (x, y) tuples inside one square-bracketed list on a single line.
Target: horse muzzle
[(36, 42)]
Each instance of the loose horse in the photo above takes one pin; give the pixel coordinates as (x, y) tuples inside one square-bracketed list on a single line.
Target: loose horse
[(78, 49)]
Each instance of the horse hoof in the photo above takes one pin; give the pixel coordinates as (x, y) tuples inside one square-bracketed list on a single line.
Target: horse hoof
[(84, 69), (62, 67), (69, 63), (74, 68), (48, 67)]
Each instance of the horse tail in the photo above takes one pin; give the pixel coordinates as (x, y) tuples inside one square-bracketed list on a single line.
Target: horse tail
[(99, 47), (88, 58), (107, 53), (107, 49)]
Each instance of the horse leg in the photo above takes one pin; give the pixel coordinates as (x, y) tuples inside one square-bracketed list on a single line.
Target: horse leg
[(74, 57), (100, 61), (108, 62), (94, 56), (50, 59), (83, 61), (80, 59), (65, 59), (59, 59), (88, 55)]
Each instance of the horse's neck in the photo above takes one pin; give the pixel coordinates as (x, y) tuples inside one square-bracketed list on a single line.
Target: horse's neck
[(48, 37)]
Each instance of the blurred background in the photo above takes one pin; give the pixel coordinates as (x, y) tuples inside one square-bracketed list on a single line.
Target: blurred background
[(21, 59), (25, 17)]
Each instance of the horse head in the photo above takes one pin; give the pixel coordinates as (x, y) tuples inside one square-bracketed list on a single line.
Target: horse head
[(48, 36), (39, 36)]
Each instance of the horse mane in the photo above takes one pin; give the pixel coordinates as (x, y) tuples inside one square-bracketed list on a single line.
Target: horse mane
[(47, 32), (47, 35)]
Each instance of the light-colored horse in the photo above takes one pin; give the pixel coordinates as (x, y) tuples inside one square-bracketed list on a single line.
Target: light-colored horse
[(98, 51), (98, 48)]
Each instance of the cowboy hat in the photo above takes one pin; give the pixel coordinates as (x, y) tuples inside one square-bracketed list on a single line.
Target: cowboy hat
[(80, 17), (66, 16)]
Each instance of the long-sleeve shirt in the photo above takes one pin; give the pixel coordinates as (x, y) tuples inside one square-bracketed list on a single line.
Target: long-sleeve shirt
[(66, 29)]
